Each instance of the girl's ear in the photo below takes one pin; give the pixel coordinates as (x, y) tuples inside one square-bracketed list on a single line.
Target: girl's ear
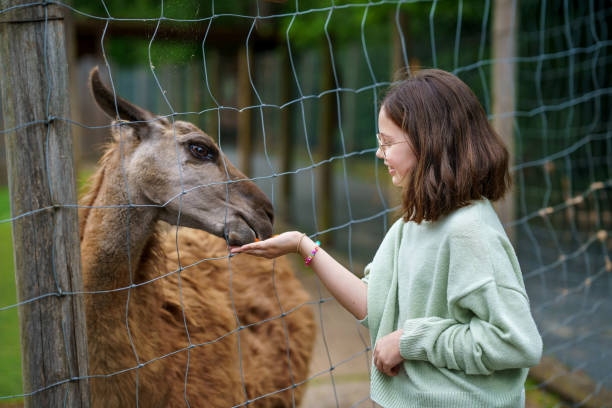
[(129, 119)]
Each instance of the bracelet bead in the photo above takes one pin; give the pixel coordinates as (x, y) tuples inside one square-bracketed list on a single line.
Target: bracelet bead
[(308, 259)]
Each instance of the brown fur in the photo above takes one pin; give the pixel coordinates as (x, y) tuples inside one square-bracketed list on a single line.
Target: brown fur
[(164, 326), (198, 300)]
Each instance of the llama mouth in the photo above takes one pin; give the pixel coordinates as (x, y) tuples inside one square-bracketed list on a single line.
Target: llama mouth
[(251, 227), (241, 232)]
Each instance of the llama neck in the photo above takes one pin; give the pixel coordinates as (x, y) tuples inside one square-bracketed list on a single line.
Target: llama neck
[(119, 246), (114, 239)]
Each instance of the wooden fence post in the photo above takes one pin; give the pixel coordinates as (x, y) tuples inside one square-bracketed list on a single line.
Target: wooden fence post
[(2, 154), (211, 122), (287, 143), (245, 132), (328, 106), (195, 85), (398, 65), (41, 176), (504, 76)]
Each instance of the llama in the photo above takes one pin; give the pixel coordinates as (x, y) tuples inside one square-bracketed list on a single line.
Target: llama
[(165, 328)]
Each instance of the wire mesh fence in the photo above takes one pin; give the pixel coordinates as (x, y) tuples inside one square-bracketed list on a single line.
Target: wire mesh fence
[(312, 76)]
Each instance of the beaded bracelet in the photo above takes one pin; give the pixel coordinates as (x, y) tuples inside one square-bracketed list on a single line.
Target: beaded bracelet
[(308, 259)]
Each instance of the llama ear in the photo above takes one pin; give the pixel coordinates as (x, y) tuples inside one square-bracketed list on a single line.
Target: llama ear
[(130, 132), (128, 112)]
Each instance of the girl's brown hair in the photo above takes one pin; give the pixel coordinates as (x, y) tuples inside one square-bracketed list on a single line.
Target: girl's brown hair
[(460, 157)]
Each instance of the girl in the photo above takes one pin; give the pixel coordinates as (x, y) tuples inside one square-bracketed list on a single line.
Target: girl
[(443, 298)]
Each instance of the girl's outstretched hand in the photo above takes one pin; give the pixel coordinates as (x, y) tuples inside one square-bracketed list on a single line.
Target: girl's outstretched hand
[(276, 246)]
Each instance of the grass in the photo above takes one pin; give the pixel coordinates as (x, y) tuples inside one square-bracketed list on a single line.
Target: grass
[(10, 354), (538, 397)]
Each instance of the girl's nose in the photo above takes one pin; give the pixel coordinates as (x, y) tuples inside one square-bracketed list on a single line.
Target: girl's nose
[(379, 153)]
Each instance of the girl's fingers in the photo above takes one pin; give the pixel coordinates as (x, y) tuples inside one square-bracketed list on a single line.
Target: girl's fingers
[(246, 247), (250, 250), (390, 371), (269, 248), (263, 254), (254, 250)]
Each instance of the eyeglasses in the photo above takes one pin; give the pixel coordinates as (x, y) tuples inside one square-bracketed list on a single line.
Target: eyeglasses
[(382, 146)]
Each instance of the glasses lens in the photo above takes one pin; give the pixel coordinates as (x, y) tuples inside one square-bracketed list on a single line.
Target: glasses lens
[(381, 147)]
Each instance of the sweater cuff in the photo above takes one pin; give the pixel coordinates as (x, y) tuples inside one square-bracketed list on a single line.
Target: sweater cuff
[(414, 338)]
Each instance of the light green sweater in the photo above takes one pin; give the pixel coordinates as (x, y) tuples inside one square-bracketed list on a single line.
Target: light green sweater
[(455, 287)]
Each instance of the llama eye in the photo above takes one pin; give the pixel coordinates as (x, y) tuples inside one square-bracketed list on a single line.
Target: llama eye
[(200, 152)]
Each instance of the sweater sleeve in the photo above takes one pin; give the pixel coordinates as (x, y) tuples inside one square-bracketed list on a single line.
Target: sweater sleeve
[(490, 326), (366, 280)]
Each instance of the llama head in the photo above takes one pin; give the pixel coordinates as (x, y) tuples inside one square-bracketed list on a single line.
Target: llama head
[(178, 167)]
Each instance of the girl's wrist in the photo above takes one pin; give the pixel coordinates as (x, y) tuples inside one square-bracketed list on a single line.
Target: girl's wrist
[(306, 247), (300, 237)]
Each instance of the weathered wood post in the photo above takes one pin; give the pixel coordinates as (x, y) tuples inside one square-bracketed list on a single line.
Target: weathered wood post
[(504, 76), (212, 72), (329, 116), (196, 86), (2, 155), (399, 65), (287, 143), (245, 99), (41, 176)]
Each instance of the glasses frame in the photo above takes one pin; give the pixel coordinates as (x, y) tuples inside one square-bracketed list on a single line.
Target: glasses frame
[(381, 146)]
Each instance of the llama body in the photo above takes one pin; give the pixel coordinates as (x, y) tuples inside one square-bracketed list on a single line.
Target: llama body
[(185, 331)]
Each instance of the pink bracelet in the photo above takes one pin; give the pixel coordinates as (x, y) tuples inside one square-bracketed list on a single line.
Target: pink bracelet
[(308, 259)]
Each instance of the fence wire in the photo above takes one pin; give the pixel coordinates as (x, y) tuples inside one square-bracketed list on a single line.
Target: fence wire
[(563, 175)]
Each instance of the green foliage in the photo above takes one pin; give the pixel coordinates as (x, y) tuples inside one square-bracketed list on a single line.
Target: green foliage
[(342, 24), (376, 18), (10, 355), (151, 9), (538, 397), (307, 23), (135, 51)]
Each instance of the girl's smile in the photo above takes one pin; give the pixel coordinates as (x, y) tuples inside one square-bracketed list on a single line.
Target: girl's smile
[(394, 148)]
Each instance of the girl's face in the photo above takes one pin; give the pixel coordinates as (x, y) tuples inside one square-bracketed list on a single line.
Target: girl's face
[(394, 148)]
